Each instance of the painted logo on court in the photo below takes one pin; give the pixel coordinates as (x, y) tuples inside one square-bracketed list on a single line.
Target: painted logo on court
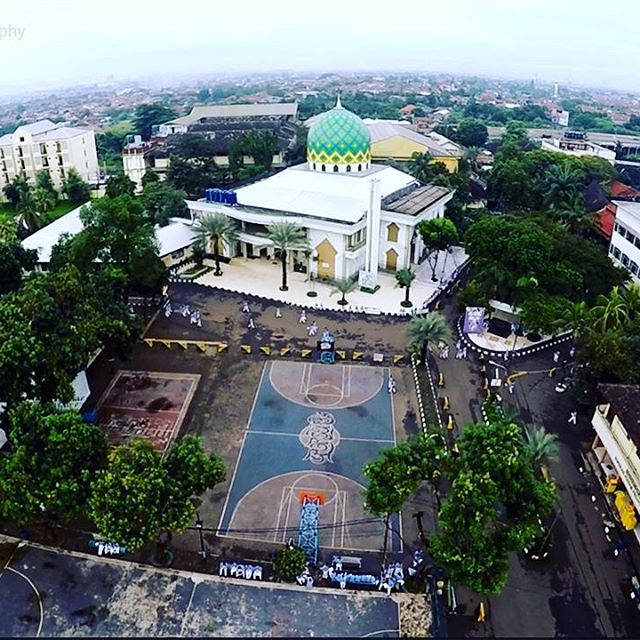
[(320, 437)]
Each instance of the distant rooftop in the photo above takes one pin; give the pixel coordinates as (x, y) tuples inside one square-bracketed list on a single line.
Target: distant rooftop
[(237, 111), (625, 400), (44, 130)]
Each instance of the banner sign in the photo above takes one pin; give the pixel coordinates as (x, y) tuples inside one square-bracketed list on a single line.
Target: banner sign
[(474, 320)]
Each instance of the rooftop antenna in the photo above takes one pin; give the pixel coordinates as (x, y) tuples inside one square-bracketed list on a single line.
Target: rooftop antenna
[(338, 103)]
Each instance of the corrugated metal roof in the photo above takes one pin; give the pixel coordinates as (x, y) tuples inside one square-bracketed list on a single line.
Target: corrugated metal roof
[(418, 200), (237, 111)]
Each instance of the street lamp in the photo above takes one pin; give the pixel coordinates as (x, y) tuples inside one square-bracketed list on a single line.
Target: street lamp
[(199, 525)]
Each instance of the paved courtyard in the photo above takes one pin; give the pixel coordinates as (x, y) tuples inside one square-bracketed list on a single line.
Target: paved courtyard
[(48, 593), (263, 277)]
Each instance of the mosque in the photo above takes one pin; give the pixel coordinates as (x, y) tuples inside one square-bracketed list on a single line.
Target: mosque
[(360, 217)]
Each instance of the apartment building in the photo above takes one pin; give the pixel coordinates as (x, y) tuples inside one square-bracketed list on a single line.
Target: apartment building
[(624, 248), (45, 146)]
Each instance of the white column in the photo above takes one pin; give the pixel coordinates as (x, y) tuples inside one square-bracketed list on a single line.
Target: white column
[(373, 227)]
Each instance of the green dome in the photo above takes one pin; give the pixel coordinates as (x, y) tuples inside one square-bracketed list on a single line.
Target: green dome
[(339, 137)]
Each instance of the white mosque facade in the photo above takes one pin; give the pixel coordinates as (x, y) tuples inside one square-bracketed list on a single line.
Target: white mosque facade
[(360, 217)]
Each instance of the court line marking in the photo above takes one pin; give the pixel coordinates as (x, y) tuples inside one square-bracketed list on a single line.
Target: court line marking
[(308, 473), (344, 519), (33, 586), (242, 444), (295, 435), (186, 613), (375, 633), (306, 368)]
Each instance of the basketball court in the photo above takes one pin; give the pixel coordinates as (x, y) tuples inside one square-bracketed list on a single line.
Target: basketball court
[(311, 430), (146, 404)]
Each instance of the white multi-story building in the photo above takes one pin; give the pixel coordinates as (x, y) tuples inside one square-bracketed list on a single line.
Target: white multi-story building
[(624, 248), (45, 146)]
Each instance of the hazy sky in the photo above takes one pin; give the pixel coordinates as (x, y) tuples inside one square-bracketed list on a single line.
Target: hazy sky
[(50, 43)]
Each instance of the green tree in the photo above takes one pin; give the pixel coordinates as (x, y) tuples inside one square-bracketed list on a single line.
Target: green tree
[(438, 234), (261, 146), (75, 188), (344, 287), (162, 202), (140, 495), (216, 230), (194, 176), (120, 185), (44, 200), (404, 279), (426, 332), (118, 234), (492, 507), (44, 182), (471, 133), (149, 177), (53, 457), (287, 236), (149, 114), (289, 563), (14, 260), (8, 230)]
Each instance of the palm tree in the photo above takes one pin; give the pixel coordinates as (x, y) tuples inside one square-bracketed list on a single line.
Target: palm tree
[(427, 330), (420, 166), (561, 184), (286, 236), (574, 217), (215, 230), (542, 446), (344, 287), (611, 312), (404, 278), (28, 216), (44, 199), (575, 317)]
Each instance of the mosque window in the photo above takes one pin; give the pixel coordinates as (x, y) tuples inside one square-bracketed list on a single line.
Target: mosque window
[(348, 168), (314, 166), (335, 168), (392, 232), (359, 167), (324, 168)]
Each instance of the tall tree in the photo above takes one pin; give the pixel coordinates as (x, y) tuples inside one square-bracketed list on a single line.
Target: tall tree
[(285, 237), (14, 260), (162, 202), (427, 332), (215, 231)]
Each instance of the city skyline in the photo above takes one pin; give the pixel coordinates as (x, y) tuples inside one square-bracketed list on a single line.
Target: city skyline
[(567, 43)]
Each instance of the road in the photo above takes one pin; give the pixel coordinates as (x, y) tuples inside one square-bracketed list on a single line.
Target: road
[(581, 589)]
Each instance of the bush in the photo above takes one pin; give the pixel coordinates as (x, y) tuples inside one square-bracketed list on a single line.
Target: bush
[(290, 562)]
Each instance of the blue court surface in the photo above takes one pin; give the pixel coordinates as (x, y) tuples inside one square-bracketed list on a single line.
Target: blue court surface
[(48, 593), (311, 430)]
